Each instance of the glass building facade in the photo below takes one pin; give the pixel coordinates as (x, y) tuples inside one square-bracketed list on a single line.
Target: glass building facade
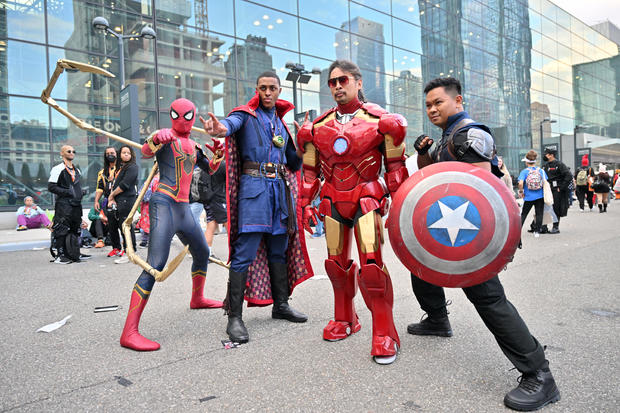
[(520, 62)]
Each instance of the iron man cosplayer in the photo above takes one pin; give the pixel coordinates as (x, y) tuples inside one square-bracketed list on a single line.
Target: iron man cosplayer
[(346, 145)]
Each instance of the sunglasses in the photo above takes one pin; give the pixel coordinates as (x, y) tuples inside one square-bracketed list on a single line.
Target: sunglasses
[(70, 151), (343, 80)]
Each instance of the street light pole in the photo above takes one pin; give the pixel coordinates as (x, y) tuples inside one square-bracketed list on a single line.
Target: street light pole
[(298, 73), (101, 23), (542, 146)]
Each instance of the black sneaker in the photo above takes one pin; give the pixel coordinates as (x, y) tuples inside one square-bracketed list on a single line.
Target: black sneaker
[(144, 244), (61, 259), (84, 257), (534, 391), (554, 230), (431, 327)]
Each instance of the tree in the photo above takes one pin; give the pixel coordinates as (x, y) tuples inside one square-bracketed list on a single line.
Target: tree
[(42, 174), (25, 175), (10, 172)]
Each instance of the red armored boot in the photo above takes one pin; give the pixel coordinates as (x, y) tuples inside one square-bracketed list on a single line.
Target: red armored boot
[(198, 299), (376, 287), (344, 283), (131, 338)]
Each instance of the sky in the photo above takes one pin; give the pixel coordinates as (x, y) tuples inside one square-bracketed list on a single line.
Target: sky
[(592, 11)]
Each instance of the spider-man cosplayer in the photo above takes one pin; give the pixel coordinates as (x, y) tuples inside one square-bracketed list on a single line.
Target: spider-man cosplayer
[(346, 145), (170, 214)]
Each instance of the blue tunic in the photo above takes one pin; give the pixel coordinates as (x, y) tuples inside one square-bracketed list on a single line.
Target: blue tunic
[(262, 202)]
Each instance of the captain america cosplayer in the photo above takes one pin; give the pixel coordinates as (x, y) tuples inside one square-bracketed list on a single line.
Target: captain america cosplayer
[(170, 214), (347, 145), (464, 140), (268, 256)]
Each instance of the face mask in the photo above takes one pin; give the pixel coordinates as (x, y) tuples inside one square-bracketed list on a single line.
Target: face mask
[(111, 158)]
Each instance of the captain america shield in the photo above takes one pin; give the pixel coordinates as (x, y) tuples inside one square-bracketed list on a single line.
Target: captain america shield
[(454, 224)]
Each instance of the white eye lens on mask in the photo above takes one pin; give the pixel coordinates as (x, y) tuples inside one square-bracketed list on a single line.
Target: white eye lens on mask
[(189, 115), (173, 114)]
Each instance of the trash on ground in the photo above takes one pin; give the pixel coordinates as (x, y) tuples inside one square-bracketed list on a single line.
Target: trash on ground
[(106, 308), (54, 326), (230, 344)]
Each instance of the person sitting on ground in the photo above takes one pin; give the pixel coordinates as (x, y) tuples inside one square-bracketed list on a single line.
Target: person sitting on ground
[(31, 216), (98, 226)]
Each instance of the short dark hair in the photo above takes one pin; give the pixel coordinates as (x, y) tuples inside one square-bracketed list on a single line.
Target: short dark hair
[(449, 84), (349, 67), (268, 73)]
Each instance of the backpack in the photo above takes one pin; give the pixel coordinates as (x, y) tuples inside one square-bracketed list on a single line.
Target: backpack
[(534, 180), (582, 178)]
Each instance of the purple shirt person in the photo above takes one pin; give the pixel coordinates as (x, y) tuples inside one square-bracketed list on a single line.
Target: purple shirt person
[(31, 216)]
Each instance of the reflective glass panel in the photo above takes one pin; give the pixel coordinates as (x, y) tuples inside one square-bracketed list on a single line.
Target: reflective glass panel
[(22, 20), (24, 124), (205, 16), (82, 86), (323, 41), (277, 28), (370, 23), (26, 68), (407, 36), (332, 12), (407, 10), (24, 174)]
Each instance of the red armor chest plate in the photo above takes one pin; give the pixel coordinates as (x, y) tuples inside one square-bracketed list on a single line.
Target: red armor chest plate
[(349, 152)]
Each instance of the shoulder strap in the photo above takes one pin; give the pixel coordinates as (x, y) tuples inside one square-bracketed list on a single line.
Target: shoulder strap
[(459, 126)]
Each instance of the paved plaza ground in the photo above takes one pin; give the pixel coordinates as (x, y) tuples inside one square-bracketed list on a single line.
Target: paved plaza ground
[(565, 286)]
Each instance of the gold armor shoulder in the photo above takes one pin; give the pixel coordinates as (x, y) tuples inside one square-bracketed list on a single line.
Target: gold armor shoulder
[(328, 118), (363, 114)]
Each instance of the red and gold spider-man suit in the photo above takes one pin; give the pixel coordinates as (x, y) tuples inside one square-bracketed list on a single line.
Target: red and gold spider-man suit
[(346, 145)]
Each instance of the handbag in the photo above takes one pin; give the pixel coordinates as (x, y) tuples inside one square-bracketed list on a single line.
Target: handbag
[(548, 195)]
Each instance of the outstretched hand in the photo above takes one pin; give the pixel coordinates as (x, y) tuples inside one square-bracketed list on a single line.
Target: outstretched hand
[(213, 127), (162, 136), (217, 148), (297, 127)]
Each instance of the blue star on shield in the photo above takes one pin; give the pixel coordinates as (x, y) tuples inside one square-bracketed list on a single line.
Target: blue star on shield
[(453, 221)]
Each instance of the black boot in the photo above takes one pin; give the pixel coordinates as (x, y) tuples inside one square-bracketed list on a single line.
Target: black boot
[(604, 207), (534, 391), (555, 229), (234, 306), (279, 291), (544, 229), (600, 208), (431, 326)]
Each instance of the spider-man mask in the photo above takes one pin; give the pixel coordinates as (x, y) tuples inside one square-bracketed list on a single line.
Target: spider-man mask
[(183, 115)]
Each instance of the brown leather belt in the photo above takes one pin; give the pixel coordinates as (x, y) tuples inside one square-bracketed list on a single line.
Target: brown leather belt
[(266, 169), (273, 171)]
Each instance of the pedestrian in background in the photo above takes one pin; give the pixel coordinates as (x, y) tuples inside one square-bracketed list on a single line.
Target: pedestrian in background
[(144, 224), (559, 178), (601, 185), (506, 177), (31, 216), (531, 182), (584, 177), (121, 200), (65, 183)]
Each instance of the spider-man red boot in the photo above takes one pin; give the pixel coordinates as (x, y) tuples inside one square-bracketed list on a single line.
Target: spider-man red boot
[(198, 299), (131, 338)]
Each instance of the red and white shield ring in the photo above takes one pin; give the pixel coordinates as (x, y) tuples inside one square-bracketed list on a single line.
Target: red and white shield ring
[(454, 225)]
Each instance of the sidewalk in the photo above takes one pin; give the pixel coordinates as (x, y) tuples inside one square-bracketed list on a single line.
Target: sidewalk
[(32, 239)]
